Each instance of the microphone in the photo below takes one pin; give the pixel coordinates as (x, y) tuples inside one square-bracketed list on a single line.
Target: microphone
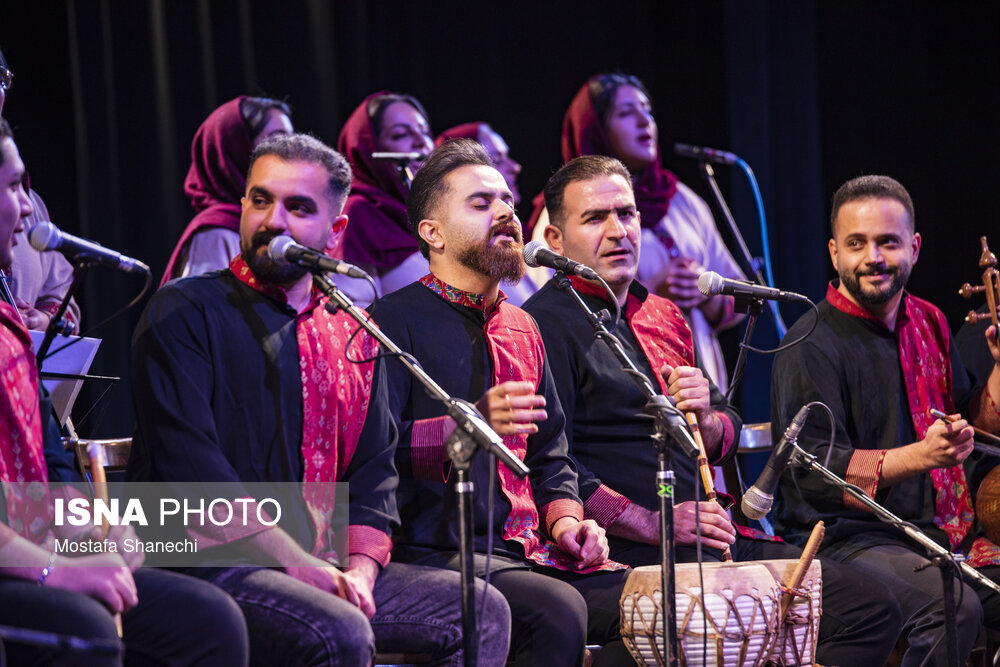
[(46, 236), (398, 157), (537, 254), (758, 499), (284, 250), (706, 154), (711, 283)]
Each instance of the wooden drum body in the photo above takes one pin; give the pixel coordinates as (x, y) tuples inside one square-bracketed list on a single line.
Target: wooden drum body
[(796, 639), (741, 609)]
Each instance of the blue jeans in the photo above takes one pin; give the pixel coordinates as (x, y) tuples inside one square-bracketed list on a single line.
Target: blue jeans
[(418, 610)]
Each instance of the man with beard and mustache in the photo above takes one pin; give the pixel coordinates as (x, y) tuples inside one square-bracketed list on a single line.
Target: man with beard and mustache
[(549, 563), (881, 358), (241, 375)]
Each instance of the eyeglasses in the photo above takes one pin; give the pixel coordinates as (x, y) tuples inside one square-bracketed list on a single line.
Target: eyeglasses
[(6, 78)]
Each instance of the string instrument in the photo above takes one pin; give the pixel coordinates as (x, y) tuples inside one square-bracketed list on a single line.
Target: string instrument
[(990, 286), (707, 479), (988, 495), (7, 295)]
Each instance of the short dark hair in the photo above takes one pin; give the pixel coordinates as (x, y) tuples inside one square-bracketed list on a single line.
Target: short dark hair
[(871, 186), (253, 111), (378, 104), (5, 132), (429, 184), (306, 148), (583, 168), (603, 88)]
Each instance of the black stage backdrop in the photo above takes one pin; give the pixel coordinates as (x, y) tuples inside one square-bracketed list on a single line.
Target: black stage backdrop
[(108, 95)]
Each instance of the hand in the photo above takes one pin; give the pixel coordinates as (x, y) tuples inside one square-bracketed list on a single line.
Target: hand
[(717, 531), (362, 573), (34, 319), (104, 577), (680, 283), (946, 444), (119, 534), (327, 578), (583, 540), (993, 343), (690, 390), (512, 407)]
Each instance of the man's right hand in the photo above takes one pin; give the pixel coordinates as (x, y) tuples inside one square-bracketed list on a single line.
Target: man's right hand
[(717, 530), (512, 408), (104, 577), (327, 578), (946, 444)]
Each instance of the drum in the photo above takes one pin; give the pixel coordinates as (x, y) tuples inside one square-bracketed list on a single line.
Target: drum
[(739, 612), (796, 639)]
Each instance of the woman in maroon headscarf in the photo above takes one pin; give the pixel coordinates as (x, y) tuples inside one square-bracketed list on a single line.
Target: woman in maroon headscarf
[(611, 115), (378, 237), (220, 156)]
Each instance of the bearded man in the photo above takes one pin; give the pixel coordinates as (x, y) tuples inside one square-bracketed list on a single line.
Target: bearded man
[(549, 563), (881, 359)]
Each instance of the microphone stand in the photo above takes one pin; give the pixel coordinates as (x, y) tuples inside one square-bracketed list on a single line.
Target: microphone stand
[(938, 555), (57, 325), (670, 424), (752, 307), (472, 432), (709, 175)]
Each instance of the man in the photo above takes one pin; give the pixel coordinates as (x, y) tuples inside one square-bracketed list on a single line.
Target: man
[(54, 593), (594, 221), (39, 280), (242, 375), (478, 347), (881, 358)]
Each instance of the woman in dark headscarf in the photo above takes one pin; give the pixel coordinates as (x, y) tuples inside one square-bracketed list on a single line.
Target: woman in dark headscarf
[(611, 115), (378, 237), (220, 156)]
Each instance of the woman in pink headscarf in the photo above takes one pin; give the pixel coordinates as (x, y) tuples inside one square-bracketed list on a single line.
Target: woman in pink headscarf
[(611, 115), (378, 237), (220, 157), (509, 168)]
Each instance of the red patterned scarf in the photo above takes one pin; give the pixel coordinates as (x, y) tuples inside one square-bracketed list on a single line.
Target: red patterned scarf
[(924, 340), (335, 395), (22, 459)]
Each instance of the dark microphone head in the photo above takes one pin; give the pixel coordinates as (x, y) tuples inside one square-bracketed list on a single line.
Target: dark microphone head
[(44, 236), (278, 248), (710, 283), (531, 251)]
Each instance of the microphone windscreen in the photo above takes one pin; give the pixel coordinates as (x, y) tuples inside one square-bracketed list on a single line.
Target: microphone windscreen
[(530, 250), (278, 247), (710, 283), (44, 236)]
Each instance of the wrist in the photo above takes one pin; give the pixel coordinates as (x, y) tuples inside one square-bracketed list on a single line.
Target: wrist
[(47, 569)]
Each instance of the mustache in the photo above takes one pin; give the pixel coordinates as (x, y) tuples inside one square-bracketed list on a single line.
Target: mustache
[(875, 270), (507, 229), (262, 238)]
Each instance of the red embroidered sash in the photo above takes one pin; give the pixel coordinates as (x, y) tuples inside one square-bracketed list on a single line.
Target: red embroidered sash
[(335, 396), (924, 340), (22, 458)]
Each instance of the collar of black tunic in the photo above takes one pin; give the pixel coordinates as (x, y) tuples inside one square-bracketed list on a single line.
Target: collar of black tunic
[(460, 297)]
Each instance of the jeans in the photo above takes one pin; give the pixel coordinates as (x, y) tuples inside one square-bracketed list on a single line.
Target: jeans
[(418, 610), (179, 621)]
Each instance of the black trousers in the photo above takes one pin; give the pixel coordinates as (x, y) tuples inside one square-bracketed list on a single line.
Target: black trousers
[(861, 620), (179, 621)]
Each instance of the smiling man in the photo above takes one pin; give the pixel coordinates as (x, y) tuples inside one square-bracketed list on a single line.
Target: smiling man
[(881, 358), (242, 375), (549, 563)]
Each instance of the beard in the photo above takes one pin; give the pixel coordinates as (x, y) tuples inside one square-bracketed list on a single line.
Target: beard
[(871, 295), (266, 269), (501, 261)]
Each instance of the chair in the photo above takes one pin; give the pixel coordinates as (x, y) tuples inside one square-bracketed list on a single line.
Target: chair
[(754, 439)]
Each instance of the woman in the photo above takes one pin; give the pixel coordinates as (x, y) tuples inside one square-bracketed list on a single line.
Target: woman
[(220, 156), (611, 115), (378, 237)]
